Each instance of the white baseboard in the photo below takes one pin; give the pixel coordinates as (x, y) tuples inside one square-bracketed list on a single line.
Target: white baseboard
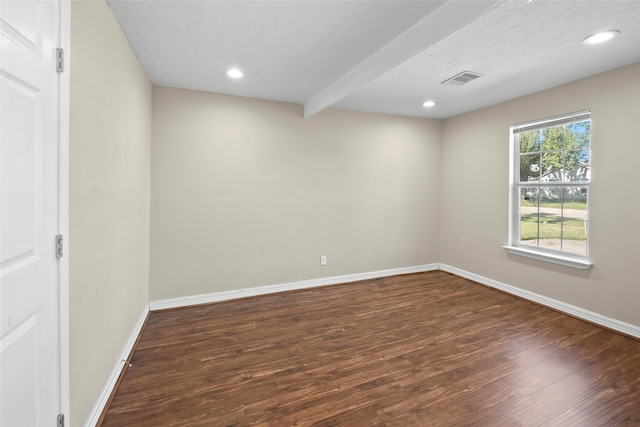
[(303, 284), (581, 313), (103, 398)]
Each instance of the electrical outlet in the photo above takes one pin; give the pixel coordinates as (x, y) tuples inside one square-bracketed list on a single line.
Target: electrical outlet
[(323, 260)]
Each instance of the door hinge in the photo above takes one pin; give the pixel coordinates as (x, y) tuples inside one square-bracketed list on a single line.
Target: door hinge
[(59, 60), (60, 420), (59, 246)]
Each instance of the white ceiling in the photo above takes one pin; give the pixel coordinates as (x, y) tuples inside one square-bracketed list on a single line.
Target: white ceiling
[(378, 56)]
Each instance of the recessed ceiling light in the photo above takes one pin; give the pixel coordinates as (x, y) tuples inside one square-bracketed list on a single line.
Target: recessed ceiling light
[(601, 37), (429, 103), (234, 73)]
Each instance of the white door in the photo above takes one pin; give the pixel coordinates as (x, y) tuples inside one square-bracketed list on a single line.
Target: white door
[(29, 343)]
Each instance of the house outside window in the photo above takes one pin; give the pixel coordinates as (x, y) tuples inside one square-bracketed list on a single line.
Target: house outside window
[(551, 173)]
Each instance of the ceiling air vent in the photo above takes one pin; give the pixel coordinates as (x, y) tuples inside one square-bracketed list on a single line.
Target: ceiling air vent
[(462, 78)]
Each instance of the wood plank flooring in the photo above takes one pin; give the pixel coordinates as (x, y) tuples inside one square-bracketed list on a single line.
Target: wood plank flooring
[(427, 349)]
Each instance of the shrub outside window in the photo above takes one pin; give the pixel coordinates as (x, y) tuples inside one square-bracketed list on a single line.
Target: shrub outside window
[(551, 164)]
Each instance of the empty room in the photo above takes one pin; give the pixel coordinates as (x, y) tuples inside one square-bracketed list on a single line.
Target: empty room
[(327, 213)]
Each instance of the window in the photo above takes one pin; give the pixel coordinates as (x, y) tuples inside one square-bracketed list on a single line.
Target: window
[(551, 166)]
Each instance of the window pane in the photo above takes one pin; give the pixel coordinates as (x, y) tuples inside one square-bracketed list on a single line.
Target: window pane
[(551, 218), (574, 221), (553, 138), (578, 135), (552, 164), (578, 166), (529, 216), (529, 167), (529, 141), (584, 156)]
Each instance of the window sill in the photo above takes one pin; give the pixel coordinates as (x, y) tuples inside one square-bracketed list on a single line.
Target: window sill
[(566, 260)]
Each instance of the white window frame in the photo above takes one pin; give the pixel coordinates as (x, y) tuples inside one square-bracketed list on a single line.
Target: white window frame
[(544, 254)]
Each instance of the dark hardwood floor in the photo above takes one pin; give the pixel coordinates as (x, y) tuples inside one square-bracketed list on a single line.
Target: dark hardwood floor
[(428, 349)]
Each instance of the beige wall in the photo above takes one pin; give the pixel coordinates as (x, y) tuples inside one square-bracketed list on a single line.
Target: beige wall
[(474, 203), (248, 193), (109, 199)]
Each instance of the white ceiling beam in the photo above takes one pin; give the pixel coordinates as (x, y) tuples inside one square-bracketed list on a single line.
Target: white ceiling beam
[(437, 25)]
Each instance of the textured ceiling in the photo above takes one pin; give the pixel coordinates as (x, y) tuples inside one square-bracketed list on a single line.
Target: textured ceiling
[(379, 56)]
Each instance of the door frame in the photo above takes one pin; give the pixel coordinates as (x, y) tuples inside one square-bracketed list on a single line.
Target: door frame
[(64, 41)]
